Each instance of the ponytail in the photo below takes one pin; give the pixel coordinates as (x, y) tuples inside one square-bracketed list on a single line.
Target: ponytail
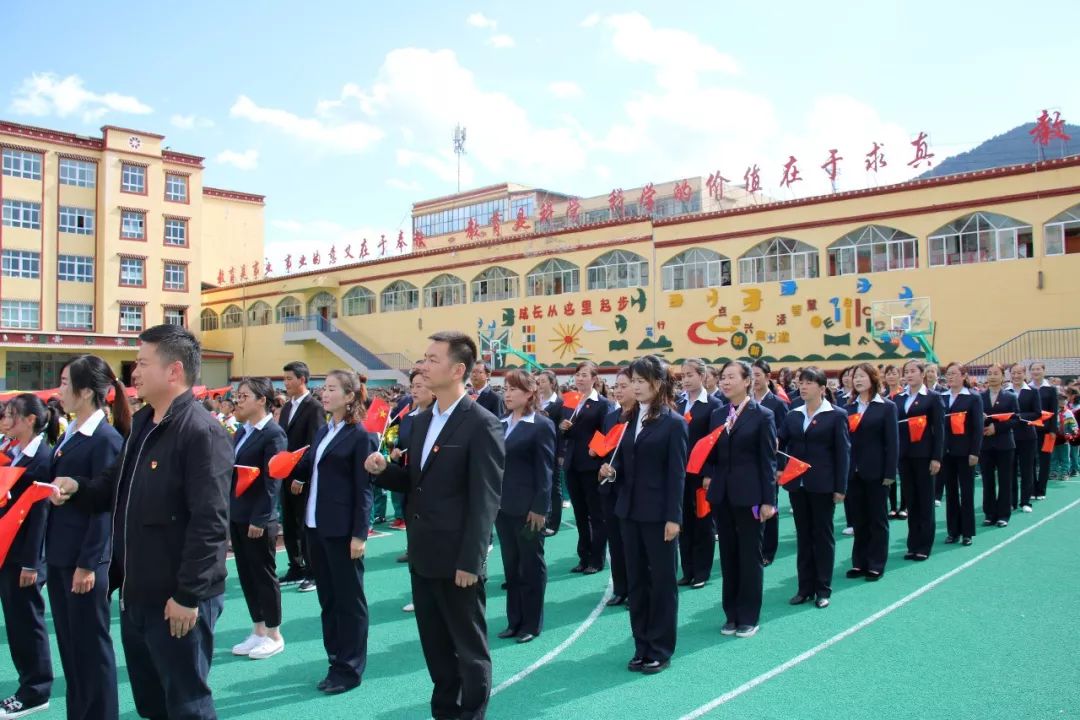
[(90, 372), (46, 419), (121, 408)]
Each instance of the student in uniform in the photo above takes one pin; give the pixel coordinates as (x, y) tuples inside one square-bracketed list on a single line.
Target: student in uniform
[(920, 460), (817, 434), (890, 388), (697, 541), (624, 407), (1048, 400), (648, 471), (712, 384), (523, 507), (34, 429), (1025, 461), (253, 518), (964, 413), (763, 392), (78, 543), (873, 468), (998, 448), (551, 405)]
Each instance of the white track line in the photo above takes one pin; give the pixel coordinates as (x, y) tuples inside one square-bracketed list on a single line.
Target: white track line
[(799, 659), (554, 653)]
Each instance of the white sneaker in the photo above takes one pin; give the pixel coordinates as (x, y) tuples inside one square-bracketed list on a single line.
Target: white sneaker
[(245, 648), (848, 531), (13, 707), (1026, 508), (269, 647), (1040, 497), (937, 503), (566, 503), (409, 607)]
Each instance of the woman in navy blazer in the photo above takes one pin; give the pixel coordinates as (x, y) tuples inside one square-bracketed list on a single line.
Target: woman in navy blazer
[(762, 391), (1048, 400), (338, 517), (998, 448), (77, 542), (624, 406), (961, 453), (872, 471), (817, 434), (697, 541), (523, 508), (920, 461), (648, 470), (253, 518), (34, 428), (1025, 461), (551, 405)]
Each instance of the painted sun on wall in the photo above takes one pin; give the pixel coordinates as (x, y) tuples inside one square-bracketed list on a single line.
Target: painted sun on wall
[(566, 340)]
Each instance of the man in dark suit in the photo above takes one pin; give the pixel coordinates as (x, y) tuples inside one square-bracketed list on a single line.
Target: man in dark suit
[(301, 418), (482, 392), (453, 479)]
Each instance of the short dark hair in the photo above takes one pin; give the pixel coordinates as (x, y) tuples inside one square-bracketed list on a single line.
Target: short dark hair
[(524, 382), (176, 344), (482, 364), (462, 347), (260, 387), (412, 375), (815, 375), (299, 369), (655, 370)]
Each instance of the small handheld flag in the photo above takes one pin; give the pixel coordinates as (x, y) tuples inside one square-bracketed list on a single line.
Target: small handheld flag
[(8, 477), (701, 450), (1000, 417), (245, 477), (916, 427), (956, 422), (282, 464), (795, 467), (702, 506), (378, 415), (1048, 443), (853, 422), (14, 518), (602, 444), (5, 459), (571, 398)]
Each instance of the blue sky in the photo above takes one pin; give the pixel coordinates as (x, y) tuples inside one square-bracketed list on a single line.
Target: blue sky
[(343, 115)]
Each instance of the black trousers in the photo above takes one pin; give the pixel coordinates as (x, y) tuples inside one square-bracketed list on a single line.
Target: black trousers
[(815, 542), (526, 573), (771, 540), (1023, 473), (919, 492), (867, 500), (86, 649), (554, 518), (615, 544), (28, 641), (168, 675), (654, 595), (584, 487), (996, 468), (453, 636), (340, 584), (256, 566), (293, 509), (959, 479), (739, 534), (1042, 476), (698, 536)]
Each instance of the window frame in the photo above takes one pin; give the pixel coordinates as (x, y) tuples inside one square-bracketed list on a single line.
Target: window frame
[(12, 207), (227, 324), (86, 327), (127, 306), (76, 213), (125, 181), (549, 273), (763, 252), (356, 295), (183, 198), (504, 278), (142, 265), (27, 305), (622, 259), (396, 289), (434, 296), (75, 178), (17, 264), (173, 265), (278, 319), (203, 317), (172, 221), (77, 261), (19, 158), (696, 261), (978, 242)]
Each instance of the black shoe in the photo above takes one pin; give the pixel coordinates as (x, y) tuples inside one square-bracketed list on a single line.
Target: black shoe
[(323, 684), (766, 562), (635, 664), (590, 570), (379, 520), (507, 633), (919, 557), (403, 557), (901, 514), (293, 576), (951, 540), (651, 667), (798, 599), (1002, 523), (616, 600), (966, 541), (854, 573), (306, 586), (729, 628), (822, 602), (988, 522), (909, 556), (872, 576), (580, 567), (697, 584), (14, 707), (548, 532), (525, 637), (504, 585), (337, 687), (683, 582)]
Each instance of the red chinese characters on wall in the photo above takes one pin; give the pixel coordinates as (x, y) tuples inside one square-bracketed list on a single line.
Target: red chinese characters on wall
[(288, 263), (615, 203), (684, 192), (400, 240), (715, 185), (382, 246), (521, 222), (418, 240), (221, 277), (496, 224), (791, 172), (472, 230), (537, 312), (922, 151), (1046, 129), (752, 179), (830, 165), (875, 159), (547, 211), (647, 199), (573, 211)]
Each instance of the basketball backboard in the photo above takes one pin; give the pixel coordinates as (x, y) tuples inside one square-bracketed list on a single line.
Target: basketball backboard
[(891, 320)]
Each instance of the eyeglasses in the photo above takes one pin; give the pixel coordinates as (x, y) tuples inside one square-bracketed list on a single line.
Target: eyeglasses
[(242, 398)]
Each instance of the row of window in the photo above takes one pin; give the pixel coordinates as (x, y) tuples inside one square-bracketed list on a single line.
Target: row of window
[(80, 221), (26, 264), (80, 173), (26, 315)]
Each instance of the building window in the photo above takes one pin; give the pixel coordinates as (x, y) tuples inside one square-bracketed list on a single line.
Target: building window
[(20, 315), (400, 295), (776, 260), (1062, 233), (208, 320), (131, 318), (980, 237), (78, 221), (176, 232), (552, 277), (132, 272), (175, 316), (75, 268), (74, 316), (873, 248), (22, 264), (133, 225), (232, 318), (456, 220), (22, 164), (358, 301), (22, 214), (618, 269), (259, 314), (323, 304), (175, 276), (78, 173), (176, 187), (133, 179), (287, 309), (443, 291), (694, 269), (496, 283)]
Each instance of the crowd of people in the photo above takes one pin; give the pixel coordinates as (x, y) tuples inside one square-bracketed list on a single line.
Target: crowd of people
[(663, 471)]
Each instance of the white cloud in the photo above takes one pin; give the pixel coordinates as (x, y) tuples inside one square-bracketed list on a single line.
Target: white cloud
[(565, 89), (591, 20), (348, 137), (44, 94), (501, 40), (406, 185), (189, 122), (479, 20), (678, 56), (247, 160)]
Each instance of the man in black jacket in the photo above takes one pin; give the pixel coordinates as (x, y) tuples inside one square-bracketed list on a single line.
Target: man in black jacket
[(482, 392), (169, 497)]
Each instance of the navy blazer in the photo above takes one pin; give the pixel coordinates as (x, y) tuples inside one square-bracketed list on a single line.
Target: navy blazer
[(587, 422), (742, 465), (490, 401), (968, 442), (77, 536), (1048, 401), (932, 444), (530, 463), (1029, 408), (698, 426), (875, 443), (258, 505), (343, 499), (824, 445), (650, 469), (778, 407), (26, 549), (554, 412), (1002, 439), (610, 420)]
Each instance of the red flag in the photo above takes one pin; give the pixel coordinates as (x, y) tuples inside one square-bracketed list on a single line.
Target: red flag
[(701, 451), (1048, 443), (1043, 417), (14, 518), (1000, 417), (8, 477), (795, 467), (916, 426), (1046, 415), (602, 444), (782, 394), (702, 505), (853, 422), (282, 464), (377, 416), (687, 416), (245, 476), (220, 392), (571, 399), (5, 459), (956, 421)]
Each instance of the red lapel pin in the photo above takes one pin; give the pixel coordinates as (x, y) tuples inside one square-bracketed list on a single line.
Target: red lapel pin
[(435, 449), (153, 464)]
